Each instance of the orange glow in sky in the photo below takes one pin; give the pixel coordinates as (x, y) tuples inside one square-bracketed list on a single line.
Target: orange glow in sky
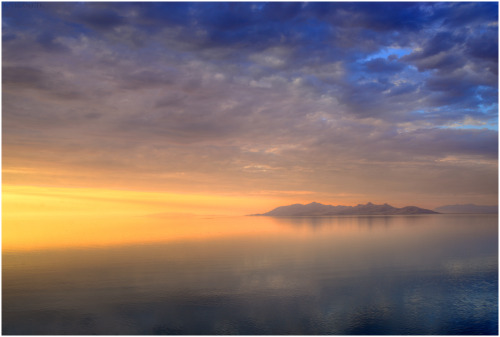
[(42, 217), (23, 200)]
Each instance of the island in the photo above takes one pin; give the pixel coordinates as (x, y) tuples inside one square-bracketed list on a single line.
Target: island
[(317, 209)]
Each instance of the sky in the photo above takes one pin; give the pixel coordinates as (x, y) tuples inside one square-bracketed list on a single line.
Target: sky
[(264, 103)]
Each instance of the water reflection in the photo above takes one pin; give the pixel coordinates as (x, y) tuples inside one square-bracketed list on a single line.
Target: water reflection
[(318, 221), (349, 275)]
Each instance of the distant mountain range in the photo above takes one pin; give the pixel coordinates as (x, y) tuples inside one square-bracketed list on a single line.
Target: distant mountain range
[(467, 208), (317, 209)]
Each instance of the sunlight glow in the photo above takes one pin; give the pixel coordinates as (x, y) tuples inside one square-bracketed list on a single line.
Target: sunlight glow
[(24, 200), (43, 217)]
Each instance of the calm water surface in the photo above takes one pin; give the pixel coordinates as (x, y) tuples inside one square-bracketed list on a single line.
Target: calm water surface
[(430, 274)]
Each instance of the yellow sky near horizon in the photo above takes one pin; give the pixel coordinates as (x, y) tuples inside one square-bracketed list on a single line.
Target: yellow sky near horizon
[(20, 200), (35, 218), (54, 217)]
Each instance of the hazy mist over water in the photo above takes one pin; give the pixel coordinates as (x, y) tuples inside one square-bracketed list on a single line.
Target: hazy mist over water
[(428, 274)]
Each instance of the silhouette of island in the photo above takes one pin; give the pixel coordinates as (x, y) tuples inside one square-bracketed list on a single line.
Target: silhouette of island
[(468, 209), (317, 209)]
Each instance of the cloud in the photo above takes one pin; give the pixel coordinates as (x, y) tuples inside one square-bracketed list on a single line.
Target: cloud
[(23, 77), (145, 79), (101, 19), (20, 78), (467, 14), (254, 96), (49, 43)]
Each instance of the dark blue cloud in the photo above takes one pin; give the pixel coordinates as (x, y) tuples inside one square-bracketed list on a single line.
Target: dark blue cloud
[(400, 16), (48, 42), (483, 46), (8, 37), (101, 19), (467, 13)]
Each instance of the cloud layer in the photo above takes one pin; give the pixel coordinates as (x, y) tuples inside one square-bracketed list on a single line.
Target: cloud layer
[(378, 101)]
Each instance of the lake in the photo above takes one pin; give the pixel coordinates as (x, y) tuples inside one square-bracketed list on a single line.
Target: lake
[(352, 275)]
